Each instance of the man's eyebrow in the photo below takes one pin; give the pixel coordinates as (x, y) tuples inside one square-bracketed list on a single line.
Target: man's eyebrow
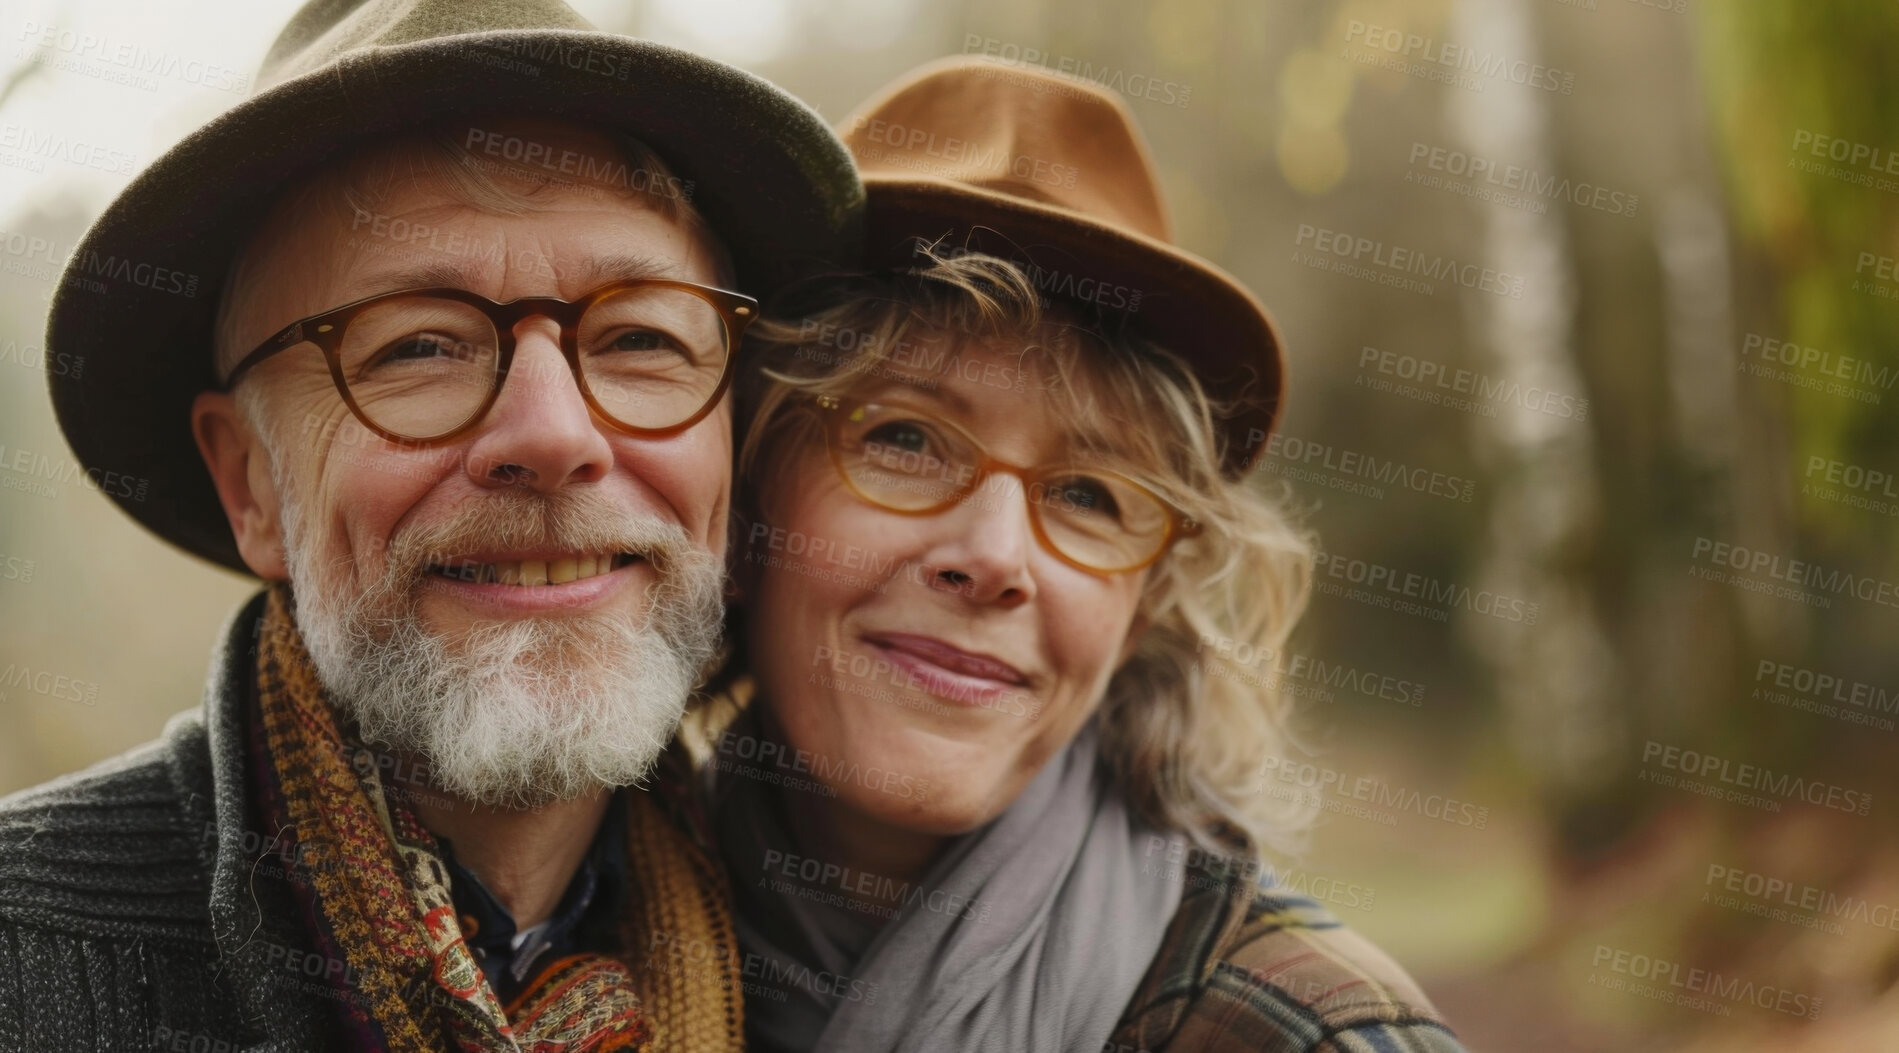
[(623, 266), (436, 275), (597, 271)]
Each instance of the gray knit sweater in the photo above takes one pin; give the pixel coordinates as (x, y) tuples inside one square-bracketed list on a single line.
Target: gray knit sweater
[(135, 910)]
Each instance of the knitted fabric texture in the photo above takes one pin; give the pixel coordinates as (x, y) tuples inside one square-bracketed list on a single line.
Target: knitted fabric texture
[(383, 907)]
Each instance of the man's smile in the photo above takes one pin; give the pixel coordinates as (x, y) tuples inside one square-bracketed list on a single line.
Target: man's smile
[(557, 568)]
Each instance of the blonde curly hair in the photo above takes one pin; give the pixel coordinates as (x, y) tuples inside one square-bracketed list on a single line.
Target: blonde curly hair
[(1186, 737)]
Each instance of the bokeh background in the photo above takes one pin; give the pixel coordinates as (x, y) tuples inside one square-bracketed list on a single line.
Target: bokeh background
[(1686, 350)]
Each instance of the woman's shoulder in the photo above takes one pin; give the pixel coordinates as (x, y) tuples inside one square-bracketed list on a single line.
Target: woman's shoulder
[(1252, 966), (1295, 964)]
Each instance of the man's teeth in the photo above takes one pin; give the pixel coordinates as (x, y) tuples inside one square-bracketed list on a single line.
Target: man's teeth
[(535, 571)]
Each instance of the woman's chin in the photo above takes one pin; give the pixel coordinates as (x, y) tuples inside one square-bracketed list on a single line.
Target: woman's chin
[(929, 814)]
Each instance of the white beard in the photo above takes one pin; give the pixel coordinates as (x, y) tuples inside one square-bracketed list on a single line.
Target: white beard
[(527, 711)]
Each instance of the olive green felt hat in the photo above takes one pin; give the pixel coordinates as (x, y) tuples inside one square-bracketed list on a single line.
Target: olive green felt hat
[(1051, 172), (138, 297)]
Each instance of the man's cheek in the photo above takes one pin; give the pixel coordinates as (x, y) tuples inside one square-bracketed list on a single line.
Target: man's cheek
[(692, 479), (359, 516)]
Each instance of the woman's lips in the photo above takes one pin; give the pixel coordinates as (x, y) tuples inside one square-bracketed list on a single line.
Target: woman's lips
[(948, 671)]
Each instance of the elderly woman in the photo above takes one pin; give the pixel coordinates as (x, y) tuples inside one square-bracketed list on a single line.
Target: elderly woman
[(982, 792)]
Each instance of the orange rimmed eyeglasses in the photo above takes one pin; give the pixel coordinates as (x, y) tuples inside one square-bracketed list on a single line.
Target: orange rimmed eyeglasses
[(652, 356), (907, 460)]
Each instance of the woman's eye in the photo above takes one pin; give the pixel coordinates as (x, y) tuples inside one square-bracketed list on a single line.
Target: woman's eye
[(1087, 496), (901, 435)]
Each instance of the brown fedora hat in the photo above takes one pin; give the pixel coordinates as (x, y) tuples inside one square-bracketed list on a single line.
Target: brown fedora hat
[(1052, 172), (139, 295)]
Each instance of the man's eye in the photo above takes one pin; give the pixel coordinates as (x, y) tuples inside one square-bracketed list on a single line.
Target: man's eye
[(642, 340), (426, 346)]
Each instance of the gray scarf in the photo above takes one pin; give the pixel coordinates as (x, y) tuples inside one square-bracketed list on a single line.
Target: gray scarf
[(1029, 933)]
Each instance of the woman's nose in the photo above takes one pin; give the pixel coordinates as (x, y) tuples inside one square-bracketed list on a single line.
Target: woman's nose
[(984, 544)]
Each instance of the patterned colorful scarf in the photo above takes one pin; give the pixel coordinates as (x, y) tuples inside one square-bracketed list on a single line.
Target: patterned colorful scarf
[(385, 906)]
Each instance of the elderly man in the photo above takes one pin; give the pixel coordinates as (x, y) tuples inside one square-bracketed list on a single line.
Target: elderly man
[(461, 403)]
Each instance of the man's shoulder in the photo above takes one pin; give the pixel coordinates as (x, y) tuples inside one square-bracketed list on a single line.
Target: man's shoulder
[(112, 850), (1295, 967)]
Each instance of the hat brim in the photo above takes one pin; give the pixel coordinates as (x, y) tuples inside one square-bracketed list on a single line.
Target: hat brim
[(1178, 300), (137, 301)]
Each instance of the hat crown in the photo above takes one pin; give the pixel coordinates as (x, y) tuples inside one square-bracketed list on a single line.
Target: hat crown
[(322, 31), (1028, 134)]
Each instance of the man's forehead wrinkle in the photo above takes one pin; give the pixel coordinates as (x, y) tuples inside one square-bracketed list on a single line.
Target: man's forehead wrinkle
[(585, 274)]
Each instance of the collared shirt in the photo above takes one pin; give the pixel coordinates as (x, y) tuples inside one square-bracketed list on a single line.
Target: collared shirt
[(1250, 965), (585, 919)]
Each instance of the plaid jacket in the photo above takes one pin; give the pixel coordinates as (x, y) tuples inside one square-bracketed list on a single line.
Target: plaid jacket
[(1259, 969)]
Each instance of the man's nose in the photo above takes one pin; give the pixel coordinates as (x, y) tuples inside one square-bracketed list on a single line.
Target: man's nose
[(540, 432)]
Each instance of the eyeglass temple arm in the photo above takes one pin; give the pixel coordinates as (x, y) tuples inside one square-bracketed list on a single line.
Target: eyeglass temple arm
[(288, 336)]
